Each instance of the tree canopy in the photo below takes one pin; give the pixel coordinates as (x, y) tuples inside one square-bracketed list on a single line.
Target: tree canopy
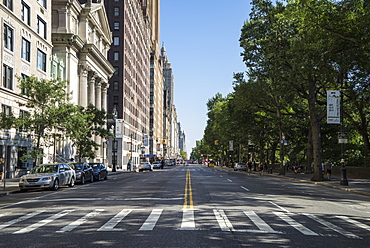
[(294, 51)]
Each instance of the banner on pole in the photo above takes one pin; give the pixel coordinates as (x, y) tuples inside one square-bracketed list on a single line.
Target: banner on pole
[(231, 145), (333, 107)]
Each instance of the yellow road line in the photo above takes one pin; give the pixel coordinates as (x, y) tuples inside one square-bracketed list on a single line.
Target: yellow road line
[(188, 192)]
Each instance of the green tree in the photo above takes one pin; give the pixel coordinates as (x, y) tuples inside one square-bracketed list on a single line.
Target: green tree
[(84, 124), (48, 107)]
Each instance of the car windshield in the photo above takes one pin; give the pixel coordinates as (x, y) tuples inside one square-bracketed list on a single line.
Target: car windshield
[(95, 166), (49, 168), (77, 166)]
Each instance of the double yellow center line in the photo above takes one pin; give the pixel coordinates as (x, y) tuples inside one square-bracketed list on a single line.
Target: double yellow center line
[(188, 194)]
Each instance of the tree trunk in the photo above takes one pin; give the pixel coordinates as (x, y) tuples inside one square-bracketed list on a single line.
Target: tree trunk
[(316, 133), (309, 152), (273, 152)]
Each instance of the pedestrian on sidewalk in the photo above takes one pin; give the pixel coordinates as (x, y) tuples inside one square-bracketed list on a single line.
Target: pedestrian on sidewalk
[(328, 166), (1, 168), (263, 167), (249, 167)]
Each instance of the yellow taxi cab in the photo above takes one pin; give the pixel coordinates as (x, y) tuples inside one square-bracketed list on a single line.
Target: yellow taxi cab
[(211, 163)]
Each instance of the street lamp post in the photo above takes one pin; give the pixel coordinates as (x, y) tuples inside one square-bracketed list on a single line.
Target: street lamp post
[(342, 79), (114, 145)]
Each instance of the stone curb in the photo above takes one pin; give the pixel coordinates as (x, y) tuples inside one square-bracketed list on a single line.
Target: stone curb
[(322, 184)]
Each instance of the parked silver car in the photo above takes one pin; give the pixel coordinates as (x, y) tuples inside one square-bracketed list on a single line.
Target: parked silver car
[(240, 166), (49, 176)]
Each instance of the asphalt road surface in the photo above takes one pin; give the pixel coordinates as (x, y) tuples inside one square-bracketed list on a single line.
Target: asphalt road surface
[(186, 206)]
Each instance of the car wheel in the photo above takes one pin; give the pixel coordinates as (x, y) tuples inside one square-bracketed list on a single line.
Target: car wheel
[(82, 179), (99, 177), (72, 182), (92, 178), (56, 185)]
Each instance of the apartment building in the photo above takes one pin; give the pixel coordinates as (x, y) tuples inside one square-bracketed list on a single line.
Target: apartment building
[(157, 141), (129, 86), (170, 133), (25, 50), (81, 39), (66, 39)]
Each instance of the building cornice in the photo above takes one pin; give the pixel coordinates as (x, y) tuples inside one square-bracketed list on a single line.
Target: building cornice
[(71, 40), (94, 53)]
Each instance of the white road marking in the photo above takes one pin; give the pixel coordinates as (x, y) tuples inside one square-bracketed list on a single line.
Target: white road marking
[(24, 217), (333, 227), (229, 180), (244, 188), (80, 221), (43, 222), (262, 225), (223, 221), (4, 214), (109, 226), (151, 221), (285, 210), (354, 222), (296, 225), (188, 222)]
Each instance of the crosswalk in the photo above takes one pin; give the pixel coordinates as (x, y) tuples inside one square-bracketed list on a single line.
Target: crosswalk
[(229, 220)]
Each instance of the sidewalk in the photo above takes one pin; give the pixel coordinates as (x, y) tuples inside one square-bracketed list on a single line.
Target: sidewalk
[(358, 186)]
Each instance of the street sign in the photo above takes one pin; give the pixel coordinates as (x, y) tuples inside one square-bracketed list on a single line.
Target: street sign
[(333, 107)]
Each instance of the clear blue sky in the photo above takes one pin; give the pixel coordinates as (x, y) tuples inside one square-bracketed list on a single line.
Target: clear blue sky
[(202, 42)]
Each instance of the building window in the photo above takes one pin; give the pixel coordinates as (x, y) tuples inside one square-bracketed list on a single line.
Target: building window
[(7, 110), (116, 56), (41, 27), (115, 100), (7, 77), (115, 85), (41, 60), (116, 41), (42, 3), (116, 11), (26, 49), (26, 13), (23, 114), (9, 4), (115, 71), (8, 37), (23, 90), (116, 26)]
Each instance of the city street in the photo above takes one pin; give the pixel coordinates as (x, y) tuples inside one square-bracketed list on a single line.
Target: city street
[(186, 206)]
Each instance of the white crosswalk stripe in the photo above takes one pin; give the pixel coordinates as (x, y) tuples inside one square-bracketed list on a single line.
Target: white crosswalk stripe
[(152, 220), (354, 222), (110, 225), (43, 222), (333, 227), (224, 220), (22, 218), (298, 226), (80, 221), (188, 222)]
